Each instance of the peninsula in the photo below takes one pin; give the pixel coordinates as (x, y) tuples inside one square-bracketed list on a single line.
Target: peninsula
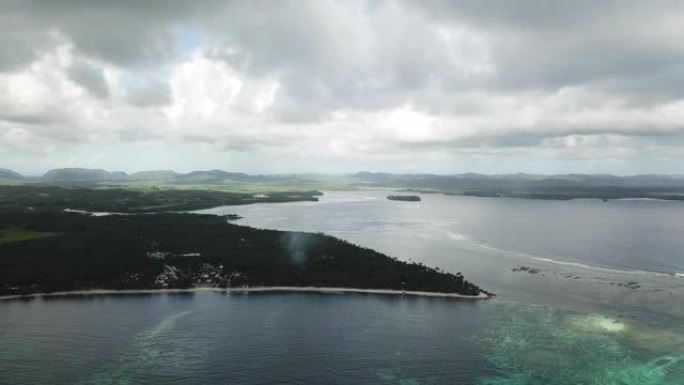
[(45, 248)]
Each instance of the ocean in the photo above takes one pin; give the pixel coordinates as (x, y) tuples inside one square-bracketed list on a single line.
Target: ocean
[(599, 302)]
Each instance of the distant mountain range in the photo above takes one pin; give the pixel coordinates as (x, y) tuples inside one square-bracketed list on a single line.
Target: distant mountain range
[(82, 175), (85, 176), (483, 184), (518, 181)]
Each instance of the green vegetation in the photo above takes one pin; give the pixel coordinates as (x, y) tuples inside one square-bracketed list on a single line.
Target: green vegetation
[(577, 193), (560, 187), (120, 200), (211, 180), (44, 248), (16, 234), (185, 250), (405, 198)]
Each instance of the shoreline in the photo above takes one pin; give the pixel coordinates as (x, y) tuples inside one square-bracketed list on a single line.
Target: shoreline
[(260, 289)]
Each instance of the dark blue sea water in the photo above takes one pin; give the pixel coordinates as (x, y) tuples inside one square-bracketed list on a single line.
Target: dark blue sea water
[(211, 338), (574, 322), (298, 338)]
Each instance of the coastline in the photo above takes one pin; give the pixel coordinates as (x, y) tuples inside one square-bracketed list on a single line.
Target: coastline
[(260, 289)]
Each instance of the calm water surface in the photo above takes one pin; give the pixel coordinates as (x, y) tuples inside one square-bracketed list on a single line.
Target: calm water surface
[(624, 234), (574, 322)]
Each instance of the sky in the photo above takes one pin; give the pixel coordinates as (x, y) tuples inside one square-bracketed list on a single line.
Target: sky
[(343, 86)]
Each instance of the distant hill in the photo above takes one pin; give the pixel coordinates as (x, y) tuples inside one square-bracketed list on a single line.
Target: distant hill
[(154, 175), (211, 176), (564, 186), (83, 175), (220, 177), (9, 174), (518, 181)]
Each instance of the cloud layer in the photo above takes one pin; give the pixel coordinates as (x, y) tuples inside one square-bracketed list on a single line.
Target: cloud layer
[(292, 86)]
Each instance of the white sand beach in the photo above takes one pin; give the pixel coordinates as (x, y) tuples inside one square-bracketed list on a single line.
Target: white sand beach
[(304, 289)]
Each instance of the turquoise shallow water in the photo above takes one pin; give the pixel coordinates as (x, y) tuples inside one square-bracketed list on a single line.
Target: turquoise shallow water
[(543, 346)]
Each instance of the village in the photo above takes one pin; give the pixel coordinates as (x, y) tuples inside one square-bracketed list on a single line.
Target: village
[(205, 275)]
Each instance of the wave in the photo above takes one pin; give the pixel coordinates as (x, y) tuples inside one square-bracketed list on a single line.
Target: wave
[(573, 264), (599, 268), (93, 213), (579, 265), (607, 269)]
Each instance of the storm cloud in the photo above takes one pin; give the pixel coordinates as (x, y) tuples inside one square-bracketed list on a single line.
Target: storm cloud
[(341, 86)]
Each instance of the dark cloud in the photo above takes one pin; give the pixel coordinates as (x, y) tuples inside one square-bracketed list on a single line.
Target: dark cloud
[(125, 33), (366, 57), (89, 77), (20, 43), (552, 44)]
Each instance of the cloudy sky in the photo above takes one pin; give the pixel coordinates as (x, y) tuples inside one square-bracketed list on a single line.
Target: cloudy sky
[(343, 86)]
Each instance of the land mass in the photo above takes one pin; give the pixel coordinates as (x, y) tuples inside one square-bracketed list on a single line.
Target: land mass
[(562, 186), (49, 251), (133, 200), (406, 198), (50, 243)]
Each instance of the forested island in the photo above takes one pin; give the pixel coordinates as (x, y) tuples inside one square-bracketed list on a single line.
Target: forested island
[(44, 248), (405, 198)]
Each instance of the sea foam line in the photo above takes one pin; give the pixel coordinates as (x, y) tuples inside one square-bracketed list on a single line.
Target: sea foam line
[(579, 265)]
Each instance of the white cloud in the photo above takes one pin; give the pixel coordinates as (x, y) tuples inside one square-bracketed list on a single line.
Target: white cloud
[(341, 86)]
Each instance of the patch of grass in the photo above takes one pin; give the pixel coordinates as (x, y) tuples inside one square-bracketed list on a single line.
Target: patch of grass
[(17, 234)]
